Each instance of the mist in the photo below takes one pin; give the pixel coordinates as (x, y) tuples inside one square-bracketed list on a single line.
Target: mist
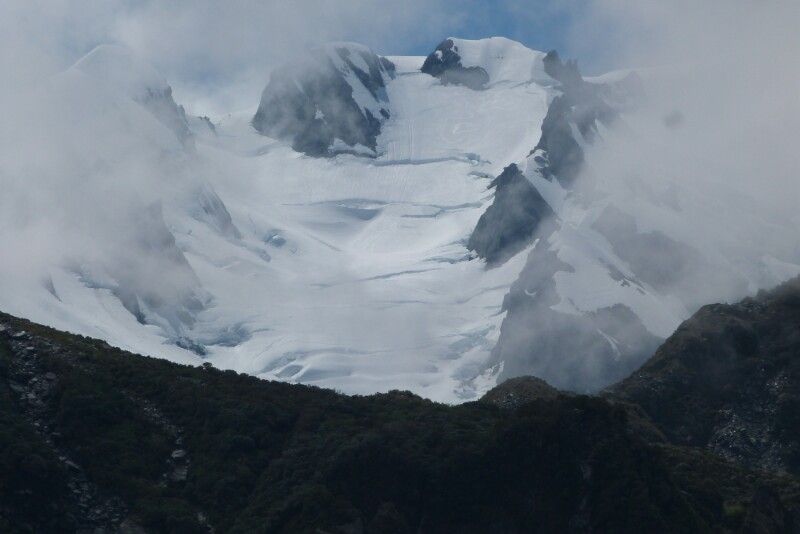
[(687, 198), (715, 131)]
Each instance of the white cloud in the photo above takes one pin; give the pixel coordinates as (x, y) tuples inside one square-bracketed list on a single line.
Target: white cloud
[(217, 55)]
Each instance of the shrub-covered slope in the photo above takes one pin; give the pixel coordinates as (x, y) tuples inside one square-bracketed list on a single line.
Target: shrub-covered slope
[(94, 437), (728, 380)]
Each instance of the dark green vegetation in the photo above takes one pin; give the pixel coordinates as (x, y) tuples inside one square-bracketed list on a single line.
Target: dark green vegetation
[(728, 380), (94, 437)]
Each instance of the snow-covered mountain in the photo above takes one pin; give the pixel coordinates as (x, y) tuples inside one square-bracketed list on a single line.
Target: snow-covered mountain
[(425, 223)]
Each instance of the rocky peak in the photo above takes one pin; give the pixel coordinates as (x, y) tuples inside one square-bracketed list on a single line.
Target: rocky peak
[(329, 100), (478, 63), (445, 63)]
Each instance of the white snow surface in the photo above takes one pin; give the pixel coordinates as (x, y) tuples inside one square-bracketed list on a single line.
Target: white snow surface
[(503, 60)]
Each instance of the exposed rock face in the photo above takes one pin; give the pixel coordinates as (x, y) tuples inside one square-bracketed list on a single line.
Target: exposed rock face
[(513, 220), (574, 113), (211, 210), (445, 63), (728, 380), (330, 100), (544, 334), (510, 222)]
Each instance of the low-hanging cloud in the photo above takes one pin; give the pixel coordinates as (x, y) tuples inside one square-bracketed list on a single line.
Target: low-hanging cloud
[(693, 190), (719, 124), (217, 55)]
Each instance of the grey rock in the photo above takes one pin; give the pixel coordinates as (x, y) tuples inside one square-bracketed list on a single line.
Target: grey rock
[(311, 103), (445, 63), (514, 217)]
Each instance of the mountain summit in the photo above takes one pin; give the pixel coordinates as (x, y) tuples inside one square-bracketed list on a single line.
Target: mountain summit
[(479, 63), (330, 100)]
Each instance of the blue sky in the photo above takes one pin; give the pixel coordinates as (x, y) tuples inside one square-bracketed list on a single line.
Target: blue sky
[(539, 25)]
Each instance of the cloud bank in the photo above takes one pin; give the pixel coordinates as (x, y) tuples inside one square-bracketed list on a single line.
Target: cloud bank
[(721, 117)]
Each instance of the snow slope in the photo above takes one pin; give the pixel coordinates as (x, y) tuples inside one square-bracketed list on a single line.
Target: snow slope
[(344, 272)]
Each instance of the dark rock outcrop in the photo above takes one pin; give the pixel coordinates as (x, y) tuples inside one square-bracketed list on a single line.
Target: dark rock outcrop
[(210, 209), (118, 68), (445, 63), (578, 109), (574, 350), (335, 92), (565, 73), (509, 223)]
